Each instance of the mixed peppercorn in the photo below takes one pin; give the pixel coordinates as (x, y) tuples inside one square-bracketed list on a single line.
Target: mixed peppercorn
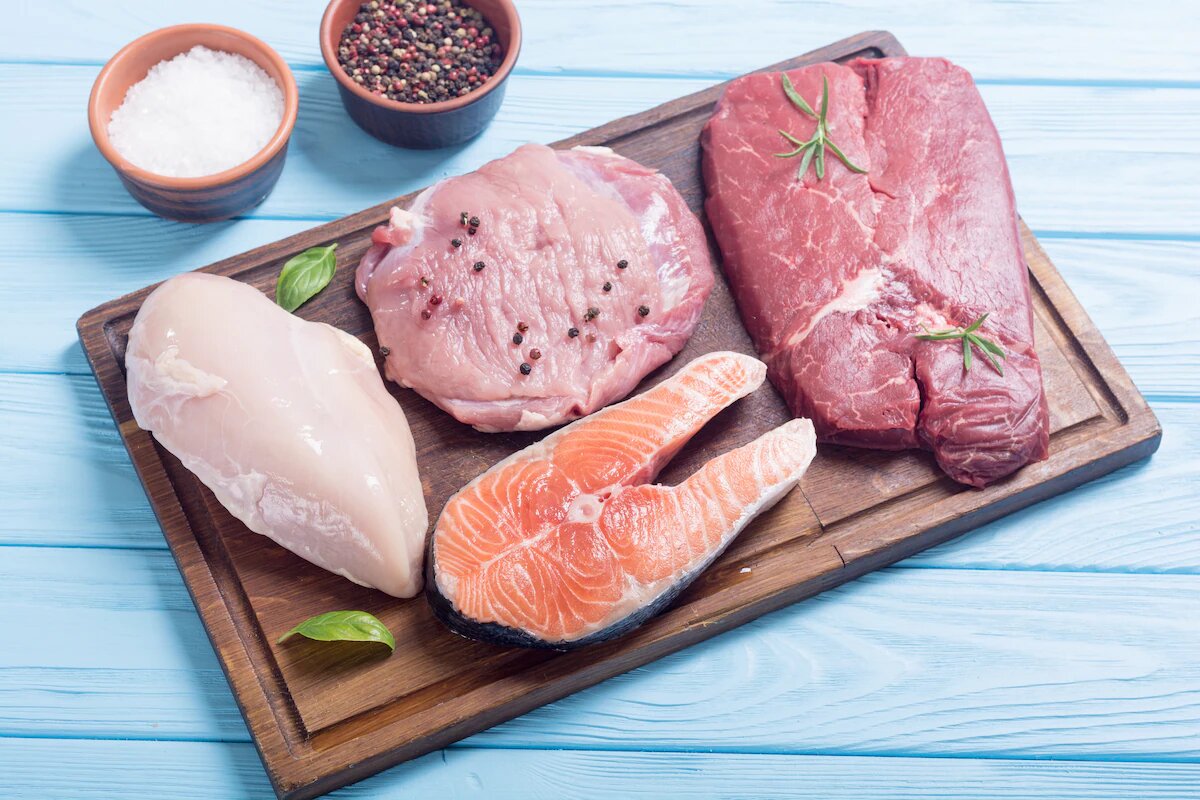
[(419, 52)]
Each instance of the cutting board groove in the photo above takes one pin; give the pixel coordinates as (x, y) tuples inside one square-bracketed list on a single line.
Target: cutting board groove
[(323, 716)]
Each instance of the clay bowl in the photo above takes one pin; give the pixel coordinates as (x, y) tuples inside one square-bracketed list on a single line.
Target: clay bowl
[(423, 125), (211, 197)]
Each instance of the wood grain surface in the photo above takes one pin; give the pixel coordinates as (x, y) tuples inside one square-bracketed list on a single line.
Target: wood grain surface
[(320, 721), (130, 701), (206, 770), (1046, 41), (961, 663)]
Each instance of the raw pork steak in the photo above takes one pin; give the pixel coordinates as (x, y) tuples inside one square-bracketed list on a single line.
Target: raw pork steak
[(586, 271), (834, 277)]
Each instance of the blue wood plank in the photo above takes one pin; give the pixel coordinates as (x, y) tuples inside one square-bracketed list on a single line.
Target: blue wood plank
[(961, 663), (55, 267), (1099, 39), (103, 770), (1064, 143), (954, 662), (56, 432)]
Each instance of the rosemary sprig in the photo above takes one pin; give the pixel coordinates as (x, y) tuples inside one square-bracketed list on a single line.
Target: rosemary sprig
[(970, 337), (813, 150)]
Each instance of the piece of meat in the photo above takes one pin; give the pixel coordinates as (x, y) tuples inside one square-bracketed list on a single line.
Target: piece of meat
[(287, 422), (835, 277), (565, 543), (553, 227)]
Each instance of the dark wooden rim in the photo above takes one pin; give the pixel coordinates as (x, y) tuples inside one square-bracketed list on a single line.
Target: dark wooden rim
[(99, 127), (329, 37)]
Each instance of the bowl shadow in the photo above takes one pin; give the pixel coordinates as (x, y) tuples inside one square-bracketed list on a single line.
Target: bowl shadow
[(346, 156)]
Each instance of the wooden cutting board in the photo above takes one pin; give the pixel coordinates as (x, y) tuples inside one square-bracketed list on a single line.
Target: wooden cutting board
[(323, 716)]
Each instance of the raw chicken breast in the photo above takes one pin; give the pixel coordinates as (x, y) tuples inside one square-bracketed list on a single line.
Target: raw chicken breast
[(592, 271), (287, 422)]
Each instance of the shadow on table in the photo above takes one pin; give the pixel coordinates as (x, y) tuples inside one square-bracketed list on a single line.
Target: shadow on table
[(119, 232), (84, 180), (333, 169), (346, 160)]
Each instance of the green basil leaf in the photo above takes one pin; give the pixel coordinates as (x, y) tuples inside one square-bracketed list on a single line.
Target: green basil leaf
[(304, 276), (343, 626)]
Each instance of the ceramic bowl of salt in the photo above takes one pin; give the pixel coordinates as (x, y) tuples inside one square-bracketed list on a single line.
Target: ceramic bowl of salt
[(195, 119)]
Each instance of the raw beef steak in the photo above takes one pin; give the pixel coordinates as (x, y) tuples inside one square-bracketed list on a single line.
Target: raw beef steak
[(835, 277), (538, 289)]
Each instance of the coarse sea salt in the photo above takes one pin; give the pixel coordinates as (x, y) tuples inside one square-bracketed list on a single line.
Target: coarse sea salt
[(199, 113)]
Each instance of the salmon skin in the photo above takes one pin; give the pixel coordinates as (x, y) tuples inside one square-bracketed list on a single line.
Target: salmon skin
[(566, 543)]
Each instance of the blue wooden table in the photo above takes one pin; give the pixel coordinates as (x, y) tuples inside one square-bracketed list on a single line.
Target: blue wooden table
[(1054, 654)]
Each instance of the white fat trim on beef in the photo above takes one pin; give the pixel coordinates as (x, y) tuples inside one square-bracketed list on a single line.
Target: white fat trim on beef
[(930, 317), (863, 290)]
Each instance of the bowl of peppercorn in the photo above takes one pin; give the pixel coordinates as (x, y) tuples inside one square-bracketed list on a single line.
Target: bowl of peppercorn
[(421, 75)]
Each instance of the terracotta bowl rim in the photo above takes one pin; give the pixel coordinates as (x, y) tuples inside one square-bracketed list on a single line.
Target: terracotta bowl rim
[(99, 127), (329, 38)]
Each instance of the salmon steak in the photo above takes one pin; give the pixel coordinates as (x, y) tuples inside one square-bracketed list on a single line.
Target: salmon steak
[(566, 543)]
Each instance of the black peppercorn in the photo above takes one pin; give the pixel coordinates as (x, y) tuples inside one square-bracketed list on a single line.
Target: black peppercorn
[(622, 264), (572, 332), (479, 265), (456, 242), (385, 352), (607, 286), (526, 368), (644, 311), (518, 338)]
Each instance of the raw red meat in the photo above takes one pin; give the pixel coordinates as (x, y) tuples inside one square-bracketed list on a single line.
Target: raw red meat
[(593, 272), (834, 278)]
